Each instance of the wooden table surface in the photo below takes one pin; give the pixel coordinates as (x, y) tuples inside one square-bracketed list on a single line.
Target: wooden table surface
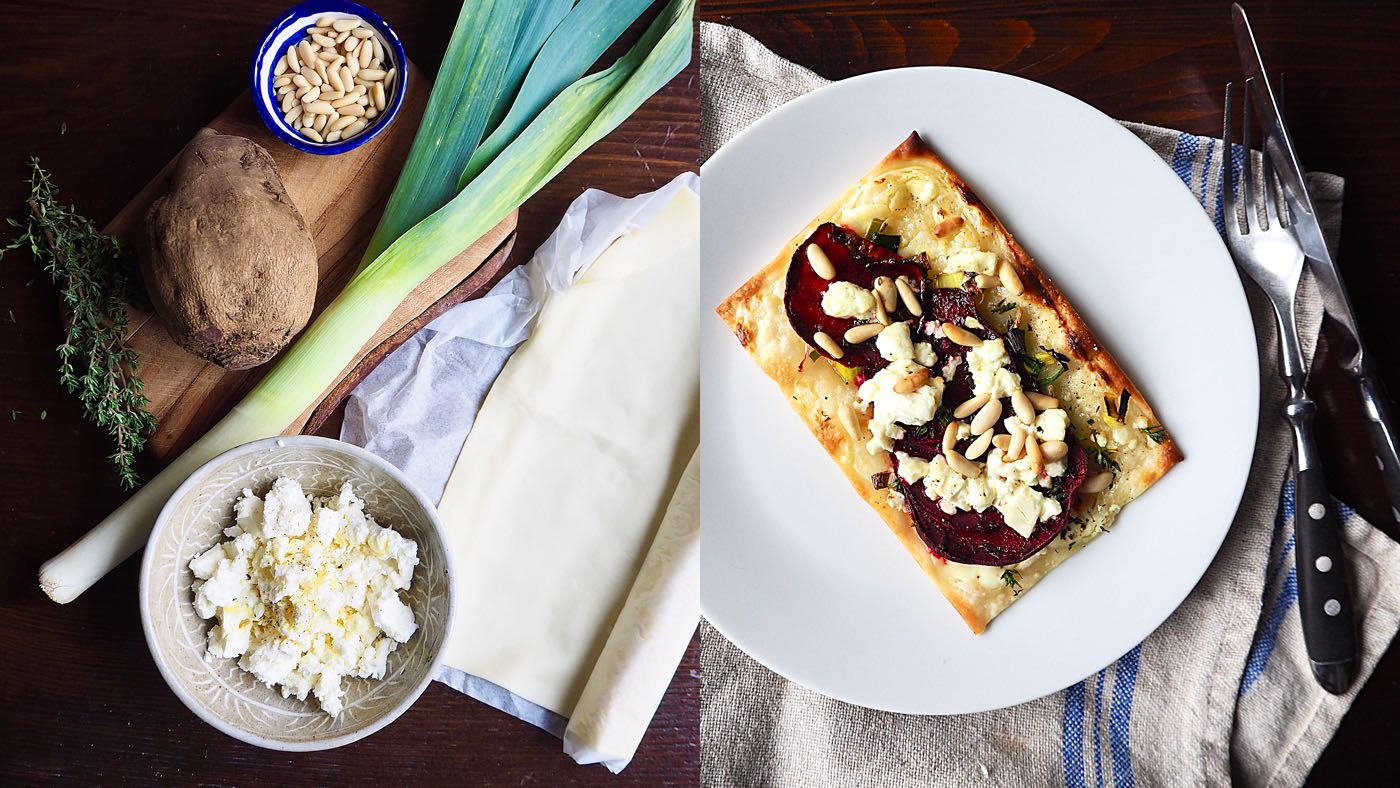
[(1167, 63), (105, 94)]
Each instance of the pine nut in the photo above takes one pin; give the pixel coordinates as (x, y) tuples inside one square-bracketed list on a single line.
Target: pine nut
[(1025, 411), (353, 109), (281, 67), (1054, 450), (961, 335), (320, 123), (311, 76), (354, 65), (863, 333), (321, 108), (354, 128), (371, 112), (848, 420), (911, 382), (302, 91), (345, 25), (323, 40), (1018, 444), (389, 78), (334, 75), (371, 74), (351, 43), (362, 100), (332, 95), (292, 62), (312, 134), (380, 101), (947, 226), (301, 81), (306, 53), (326, 20), (334, 136), (950, 436), (1010, 279), (909, 297), (311, 95), (292, 116), (1042, 401), (346, 77), (884, 286), (816, 258), (369, 54), (962, 465), (825, 342), (341, 122), (1033, 451), (340, 38), (282, 82), (321, 70), (1002, 441), (288, 101), (376, 63), (971, 406), (986, 282), (329, 56), (378, 48), (980, 446), (362, 33), (987, 417), (343, 101), (1097, 483)]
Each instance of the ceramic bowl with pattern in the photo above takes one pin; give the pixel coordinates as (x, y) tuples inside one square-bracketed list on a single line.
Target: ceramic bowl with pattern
[(216, 689)]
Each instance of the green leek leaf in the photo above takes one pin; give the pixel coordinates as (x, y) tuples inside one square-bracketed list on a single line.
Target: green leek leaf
[(589, 29), (540, 21)]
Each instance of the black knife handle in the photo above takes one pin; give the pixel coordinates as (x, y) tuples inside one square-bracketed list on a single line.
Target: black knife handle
[(1383, 436), (1324, 602)]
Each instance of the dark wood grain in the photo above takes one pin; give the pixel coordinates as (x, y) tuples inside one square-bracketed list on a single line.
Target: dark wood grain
[(105, 94), (1167, 63)]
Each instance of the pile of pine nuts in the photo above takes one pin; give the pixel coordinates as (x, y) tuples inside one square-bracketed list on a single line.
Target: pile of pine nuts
[(333, 84)]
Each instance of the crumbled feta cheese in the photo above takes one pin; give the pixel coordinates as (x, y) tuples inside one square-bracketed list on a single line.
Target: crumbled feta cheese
[(911, 469), (988, 365), (845, 299), (892, 408), (956, 492), (1050, 425), (896, 344), (306, 592)]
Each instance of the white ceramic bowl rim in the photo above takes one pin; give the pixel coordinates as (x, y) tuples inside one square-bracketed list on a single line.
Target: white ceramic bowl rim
[(147, 568)]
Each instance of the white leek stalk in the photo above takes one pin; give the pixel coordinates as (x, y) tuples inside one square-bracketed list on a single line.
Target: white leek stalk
[(581, 115)]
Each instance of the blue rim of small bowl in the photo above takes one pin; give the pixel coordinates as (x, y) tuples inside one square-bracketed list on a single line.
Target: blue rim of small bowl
[(263, 94), (148, 562)]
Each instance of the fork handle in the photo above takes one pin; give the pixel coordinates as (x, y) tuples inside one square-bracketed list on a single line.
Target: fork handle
[(1324, 601), (1383, 435)]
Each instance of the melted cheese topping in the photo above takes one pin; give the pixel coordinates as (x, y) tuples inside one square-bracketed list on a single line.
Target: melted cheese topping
[(912, 201)]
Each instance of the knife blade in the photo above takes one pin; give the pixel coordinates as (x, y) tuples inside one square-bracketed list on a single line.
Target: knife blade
[(1385, 440), (1285, 160)]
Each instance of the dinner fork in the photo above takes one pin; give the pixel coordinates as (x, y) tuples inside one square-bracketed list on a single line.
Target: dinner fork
[(1269, 252)]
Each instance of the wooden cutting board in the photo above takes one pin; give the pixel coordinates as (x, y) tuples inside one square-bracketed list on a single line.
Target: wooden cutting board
[(341, 198)]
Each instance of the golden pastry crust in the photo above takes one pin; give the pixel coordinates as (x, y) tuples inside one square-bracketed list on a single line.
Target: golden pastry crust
[(755, 313)]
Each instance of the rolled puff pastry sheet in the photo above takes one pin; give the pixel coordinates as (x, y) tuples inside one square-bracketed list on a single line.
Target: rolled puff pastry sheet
[(564, 480), (647, 641)]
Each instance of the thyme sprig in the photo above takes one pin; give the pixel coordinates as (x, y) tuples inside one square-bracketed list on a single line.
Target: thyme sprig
[(93, 278)]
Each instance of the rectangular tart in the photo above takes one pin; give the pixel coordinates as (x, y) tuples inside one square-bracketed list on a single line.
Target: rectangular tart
[(929, 216)]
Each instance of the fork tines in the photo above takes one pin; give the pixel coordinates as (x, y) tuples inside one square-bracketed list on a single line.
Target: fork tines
[(1266, 189)]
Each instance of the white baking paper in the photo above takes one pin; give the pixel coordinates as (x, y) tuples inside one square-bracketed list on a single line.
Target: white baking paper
[(418, 406)]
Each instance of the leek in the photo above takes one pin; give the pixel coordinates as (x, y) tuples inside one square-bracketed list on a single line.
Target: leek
[(579, 116)]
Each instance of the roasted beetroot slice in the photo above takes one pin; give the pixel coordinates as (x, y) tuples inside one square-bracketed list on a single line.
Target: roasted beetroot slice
[(965, 537), (857, 261)]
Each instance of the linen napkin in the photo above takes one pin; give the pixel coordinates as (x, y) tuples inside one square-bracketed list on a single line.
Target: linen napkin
[(461, 378), (1226, 678)]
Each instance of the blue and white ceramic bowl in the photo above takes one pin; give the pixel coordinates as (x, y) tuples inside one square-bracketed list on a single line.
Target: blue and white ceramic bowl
[(289, 29)]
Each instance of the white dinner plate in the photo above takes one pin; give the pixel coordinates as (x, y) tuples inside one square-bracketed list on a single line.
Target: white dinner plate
[(798, 572)]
